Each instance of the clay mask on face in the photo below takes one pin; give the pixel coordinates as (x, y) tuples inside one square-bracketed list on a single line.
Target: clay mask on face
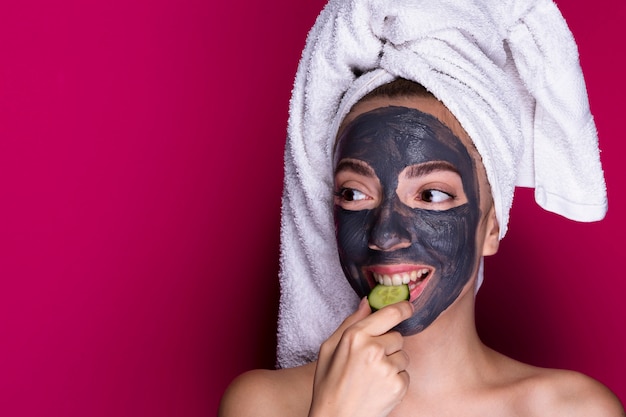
[(397, 217)]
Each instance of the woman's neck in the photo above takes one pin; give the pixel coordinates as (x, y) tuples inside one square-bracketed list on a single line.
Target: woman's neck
[(449, 352)]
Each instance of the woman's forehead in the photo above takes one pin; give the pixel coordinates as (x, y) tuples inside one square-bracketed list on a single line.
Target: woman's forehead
[(402, 135), (425, 104), (429, 105)]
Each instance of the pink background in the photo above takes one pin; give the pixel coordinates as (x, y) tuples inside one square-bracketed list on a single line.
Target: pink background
[(140, 179)]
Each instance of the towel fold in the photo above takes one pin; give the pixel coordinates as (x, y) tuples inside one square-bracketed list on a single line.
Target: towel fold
[(507, 69)]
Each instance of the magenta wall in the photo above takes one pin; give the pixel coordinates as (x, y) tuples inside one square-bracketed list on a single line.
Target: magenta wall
[(140, 180)]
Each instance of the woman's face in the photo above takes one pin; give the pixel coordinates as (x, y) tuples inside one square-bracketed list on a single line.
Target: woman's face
[(407, 208)]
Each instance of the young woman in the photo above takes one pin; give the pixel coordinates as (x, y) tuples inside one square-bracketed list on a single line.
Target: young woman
[(411, 123), (413, 203)]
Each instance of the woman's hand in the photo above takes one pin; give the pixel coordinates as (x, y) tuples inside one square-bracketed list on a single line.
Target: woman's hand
[(361, 370)]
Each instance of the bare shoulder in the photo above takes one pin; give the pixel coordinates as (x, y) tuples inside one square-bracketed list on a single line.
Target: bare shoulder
[(569, 393), (264, 392)]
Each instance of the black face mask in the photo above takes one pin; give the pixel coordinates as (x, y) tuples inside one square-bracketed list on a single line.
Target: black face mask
[(389, 140)]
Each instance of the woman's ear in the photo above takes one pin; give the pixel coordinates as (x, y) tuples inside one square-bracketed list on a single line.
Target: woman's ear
[(492, 233)]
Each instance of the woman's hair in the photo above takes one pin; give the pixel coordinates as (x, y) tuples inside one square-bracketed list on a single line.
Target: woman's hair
[(400, 87)]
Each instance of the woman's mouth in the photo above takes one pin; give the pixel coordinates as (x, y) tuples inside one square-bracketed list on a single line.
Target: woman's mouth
[(415, 278)]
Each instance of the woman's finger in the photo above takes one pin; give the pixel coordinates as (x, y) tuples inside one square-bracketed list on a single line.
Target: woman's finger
[(386, 318), (327, 348), (399, 360), (391, 341)]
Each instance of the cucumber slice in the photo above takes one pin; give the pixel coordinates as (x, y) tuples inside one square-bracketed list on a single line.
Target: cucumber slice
[(383, 295)]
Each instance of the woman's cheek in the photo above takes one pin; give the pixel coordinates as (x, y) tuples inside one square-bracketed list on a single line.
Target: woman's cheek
[(352, 233)]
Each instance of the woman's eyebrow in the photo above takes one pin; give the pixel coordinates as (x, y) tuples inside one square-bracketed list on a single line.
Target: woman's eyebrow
[(355, 166), (428, 167)]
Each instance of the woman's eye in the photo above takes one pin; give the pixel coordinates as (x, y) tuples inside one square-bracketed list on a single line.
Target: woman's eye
[(350, 194), (434, 196)]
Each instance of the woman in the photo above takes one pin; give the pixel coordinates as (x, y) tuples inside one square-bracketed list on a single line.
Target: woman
[(392, 183), (405, 171)]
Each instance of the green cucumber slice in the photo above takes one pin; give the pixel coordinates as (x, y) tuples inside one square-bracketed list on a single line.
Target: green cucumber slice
[(383, 295)]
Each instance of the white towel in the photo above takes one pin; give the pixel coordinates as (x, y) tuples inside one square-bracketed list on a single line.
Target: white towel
[(507, 69)]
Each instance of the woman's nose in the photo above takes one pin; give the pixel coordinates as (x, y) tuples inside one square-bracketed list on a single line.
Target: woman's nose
[(389, 232)]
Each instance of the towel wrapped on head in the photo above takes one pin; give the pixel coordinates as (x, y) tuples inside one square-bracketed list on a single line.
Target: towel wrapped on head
[(507, 69)]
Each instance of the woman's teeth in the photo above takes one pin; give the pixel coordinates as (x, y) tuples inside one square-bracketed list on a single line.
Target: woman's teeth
[(401, 278)]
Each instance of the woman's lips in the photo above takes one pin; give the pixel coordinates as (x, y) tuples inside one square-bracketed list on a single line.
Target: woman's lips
[(415, 276)]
